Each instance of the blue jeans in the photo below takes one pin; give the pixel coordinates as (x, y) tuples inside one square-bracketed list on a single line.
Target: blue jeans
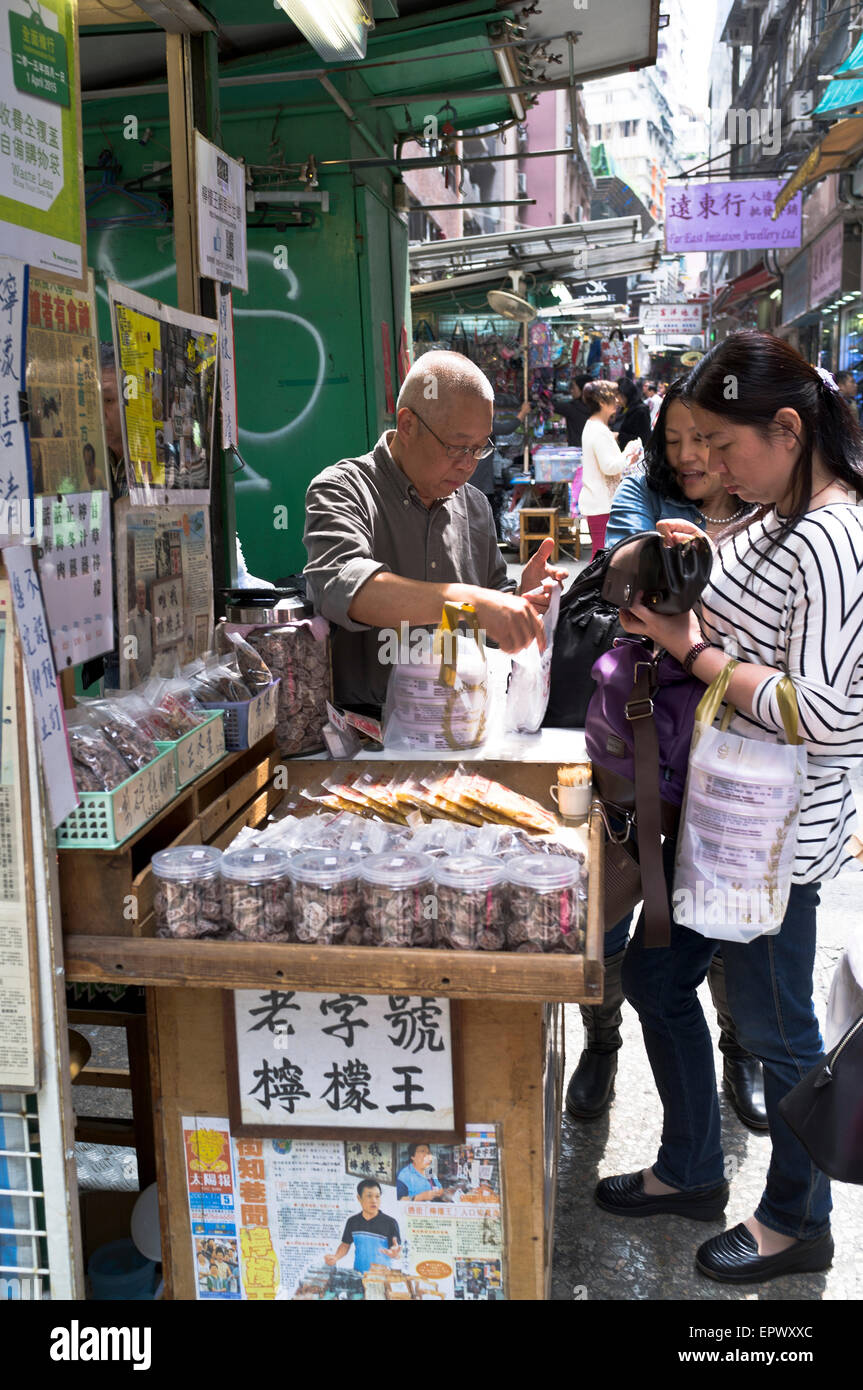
[(769, 984)]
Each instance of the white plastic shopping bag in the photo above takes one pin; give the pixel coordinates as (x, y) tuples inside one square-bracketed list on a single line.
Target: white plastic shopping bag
[(530, 678), (738, 825), (437, 694)]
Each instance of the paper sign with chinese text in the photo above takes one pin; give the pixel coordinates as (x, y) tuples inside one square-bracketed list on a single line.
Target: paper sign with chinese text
[(73, 539), (227, 371), (16, 483), (730, 216), (211, 1190), (316, 1063), (41, 191), (32, 625), (221, 205)]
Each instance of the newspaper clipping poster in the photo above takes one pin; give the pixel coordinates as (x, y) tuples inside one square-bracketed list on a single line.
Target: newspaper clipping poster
[(166, 363), (211, 1190), (434, 1234), (164, 588), (67, 436), (221, 205)]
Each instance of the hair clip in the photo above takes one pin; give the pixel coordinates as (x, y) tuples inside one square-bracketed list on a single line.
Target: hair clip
[(828, 379)]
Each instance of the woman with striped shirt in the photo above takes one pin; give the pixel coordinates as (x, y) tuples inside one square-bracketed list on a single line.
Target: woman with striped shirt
[(785, 597)]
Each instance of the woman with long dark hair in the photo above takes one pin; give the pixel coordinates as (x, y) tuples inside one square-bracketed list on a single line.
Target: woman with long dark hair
[(677, 483), (634, 420), (785, 598)]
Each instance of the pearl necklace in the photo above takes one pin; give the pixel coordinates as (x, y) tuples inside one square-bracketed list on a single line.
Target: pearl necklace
[(725, 520)]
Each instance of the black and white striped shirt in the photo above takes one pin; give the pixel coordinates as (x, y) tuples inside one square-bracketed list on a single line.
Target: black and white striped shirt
[(798, 606)]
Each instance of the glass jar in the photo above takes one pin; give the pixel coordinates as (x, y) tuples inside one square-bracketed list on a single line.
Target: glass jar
[(546, 904), (188, 891), (398, 898), (471, 903), (327, 905), (256, 894)]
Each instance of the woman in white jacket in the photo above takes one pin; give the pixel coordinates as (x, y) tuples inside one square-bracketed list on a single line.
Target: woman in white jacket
[(603, 464)]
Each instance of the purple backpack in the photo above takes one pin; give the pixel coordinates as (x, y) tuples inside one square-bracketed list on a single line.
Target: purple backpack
[(638, 732)]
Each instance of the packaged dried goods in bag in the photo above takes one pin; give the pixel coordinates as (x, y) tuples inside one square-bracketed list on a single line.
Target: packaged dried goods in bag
[(437, 696), (96, 764), (529, 681), (135, 747), (738, 824), (298, 655)]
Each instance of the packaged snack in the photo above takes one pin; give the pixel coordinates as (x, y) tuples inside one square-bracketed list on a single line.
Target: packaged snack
[(471, 903), (121, 731), (398, 897), (546, 908), (253, 668), (256, 894), (97, 766), (174, 700), (188, 897), (327, 901), (152, 723)]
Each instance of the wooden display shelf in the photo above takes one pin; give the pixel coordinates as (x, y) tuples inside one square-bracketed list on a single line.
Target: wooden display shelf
[(109, 892)]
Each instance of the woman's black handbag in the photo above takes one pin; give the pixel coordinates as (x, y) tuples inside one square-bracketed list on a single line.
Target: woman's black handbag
[(671, 578), (825, 1109)]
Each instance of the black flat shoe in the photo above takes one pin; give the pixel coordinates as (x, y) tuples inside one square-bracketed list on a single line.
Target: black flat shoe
[(743, 1083), (732, 1257), (625, 1196)]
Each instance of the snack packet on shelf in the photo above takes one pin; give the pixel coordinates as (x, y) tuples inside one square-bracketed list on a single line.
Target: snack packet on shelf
[(119, 728), (253, 669), (97, 766), (173, 698), (152, 723)]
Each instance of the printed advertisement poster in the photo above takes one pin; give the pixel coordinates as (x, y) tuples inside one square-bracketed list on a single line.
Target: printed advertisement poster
[(730, 216), (221, 188), (16, 487), (67, 435), (365, 1062), (167, 377), (164, 588), (40, 167), (73, 537), (211, 1191), (312, 1230)]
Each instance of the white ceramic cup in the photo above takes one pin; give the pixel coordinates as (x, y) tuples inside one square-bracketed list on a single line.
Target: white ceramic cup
[(573, 802)]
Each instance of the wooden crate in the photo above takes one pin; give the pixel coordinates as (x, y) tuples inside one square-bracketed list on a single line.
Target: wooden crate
[(109, 893)]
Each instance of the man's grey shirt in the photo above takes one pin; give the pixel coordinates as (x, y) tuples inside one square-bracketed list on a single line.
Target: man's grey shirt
[(364, 516)]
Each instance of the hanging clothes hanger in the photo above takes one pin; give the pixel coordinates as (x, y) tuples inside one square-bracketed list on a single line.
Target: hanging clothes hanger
[(148, 209)]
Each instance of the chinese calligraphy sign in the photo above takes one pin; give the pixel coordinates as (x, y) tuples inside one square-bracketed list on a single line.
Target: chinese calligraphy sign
[(364, 1063), (730, 216)]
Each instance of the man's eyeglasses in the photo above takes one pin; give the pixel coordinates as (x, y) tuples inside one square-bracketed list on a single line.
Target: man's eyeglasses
[(460, 451)]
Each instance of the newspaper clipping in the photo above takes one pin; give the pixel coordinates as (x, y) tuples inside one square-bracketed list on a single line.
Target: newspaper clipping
[(167, 371), (67, 438), (164, 588)]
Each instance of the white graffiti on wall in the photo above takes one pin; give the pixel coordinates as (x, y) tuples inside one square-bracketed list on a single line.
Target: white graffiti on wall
[(251, 481)]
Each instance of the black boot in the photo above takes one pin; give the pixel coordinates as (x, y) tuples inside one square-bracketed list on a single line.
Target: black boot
[(591, 1085), (742, 1075)]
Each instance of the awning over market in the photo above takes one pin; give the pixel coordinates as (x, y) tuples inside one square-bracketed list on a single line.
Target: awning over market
[(753, 281), (840, 149), (845, 92), (574, 249)]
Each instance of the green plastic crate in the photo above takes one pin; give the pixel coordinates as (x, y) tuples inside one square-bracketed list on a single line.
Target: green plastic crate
[(104, 820), (198, 750)]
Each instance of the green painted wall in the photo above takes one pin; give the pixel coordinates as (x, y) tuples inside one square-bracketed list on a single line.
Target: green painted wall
[(308, 337)]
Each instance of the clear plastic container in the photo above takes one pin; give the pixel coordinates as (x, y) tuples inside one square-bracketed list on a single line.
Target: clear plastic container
[(326, 900), (256, 894), (188, 897), (546, 903), (472, 899), (398, 898)]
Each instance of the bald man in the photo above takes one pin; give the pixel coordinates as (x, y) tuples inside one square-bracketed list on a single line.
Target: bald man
[(394, 534)]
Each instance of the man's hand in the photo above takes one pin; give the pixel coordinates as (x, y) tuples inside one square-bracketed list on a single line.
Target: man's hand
[(330, 1260), (509, 620), (537, 569), (394, 1251)]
